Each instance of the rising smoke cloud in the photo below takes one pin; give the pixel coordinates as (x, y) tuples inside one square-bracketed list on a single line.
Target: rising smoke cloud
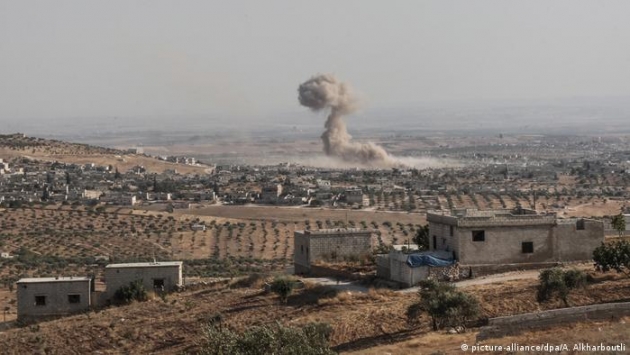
[(324, 91)]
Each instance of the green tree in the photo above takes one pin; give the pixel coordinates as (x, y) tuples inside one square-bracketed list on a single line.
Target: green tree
[(445, 305), (422, 238), (619, 223), (558, 282), (613, 256), (283, 287)]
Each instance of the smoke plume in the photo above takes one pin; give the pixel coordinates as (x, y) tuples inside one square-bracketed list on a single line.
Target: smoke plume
[(323, 92)]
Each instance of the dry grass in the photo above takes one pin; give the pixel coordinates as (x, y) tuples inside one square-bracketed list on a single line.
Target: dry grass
[(359, 321)]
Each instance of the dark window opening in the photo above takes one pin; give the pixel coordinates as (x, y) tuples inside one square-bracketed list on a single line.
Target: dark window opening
[(451, 230), (74, 298), (580, 225), (528, 247), (158, 283), (302, 248), (479, 236), (40, 300), (434, 242)]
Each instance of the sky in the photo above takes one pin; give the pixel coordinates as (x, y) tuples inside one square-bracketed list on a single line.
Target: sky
[(245, 59)]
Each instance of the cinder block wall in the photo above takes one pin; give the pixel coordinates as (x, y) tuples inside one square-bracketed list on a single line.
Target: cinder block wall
[(115, 278), (56, 294)]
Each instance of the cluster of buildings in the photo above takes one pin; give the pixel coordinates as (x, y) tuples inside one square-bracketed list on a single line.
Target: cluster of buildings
[(46, 297), (463, 243)]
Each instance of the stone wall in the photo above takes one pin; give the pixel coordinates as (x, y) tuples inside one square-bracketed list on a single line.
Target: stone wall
[(502, 326)]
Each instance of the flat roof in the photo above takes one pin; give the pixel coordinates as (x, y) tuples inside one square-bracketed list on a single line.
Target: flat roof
[(151, 264), (333, 231), (54, 279)]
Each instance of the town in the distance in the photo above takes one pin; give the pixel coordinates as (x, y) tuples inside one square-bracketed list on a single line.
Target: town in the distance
[(505, 240)]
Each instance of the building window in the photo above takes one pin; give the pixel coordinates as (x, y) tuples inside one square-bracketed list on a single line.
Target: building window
[(40, 300), (528, 247), (451, 229), (479, 236), (434, 242), (302, 248), (74, 298)]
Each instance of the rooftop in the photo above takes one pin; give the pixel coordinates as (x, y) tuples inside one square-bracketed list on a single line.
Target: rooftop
[(504, 217), (150, 264), (332, 231), (54, 279)]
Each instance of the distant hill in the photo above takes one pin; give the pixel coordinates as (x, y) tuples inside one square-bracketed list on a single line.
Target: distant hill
[(33, 145), (19, 145)]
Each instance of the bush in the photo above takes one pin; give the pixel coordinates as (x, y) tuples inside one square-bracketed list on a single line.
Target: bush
[(312, 339), (282, 287), (614, 256), (445, 304), (558, 282), (133, 292)]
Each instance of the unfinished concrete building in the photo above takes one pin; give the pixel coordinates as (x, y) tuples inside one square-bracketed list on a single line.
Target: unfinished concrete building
[(49, 297), (159, 276), (336, 244), (517, 236)]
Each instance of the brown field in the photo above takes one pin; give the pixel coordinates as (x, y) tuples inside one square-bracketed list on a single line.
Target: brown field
[(59, 237), (360, 321)]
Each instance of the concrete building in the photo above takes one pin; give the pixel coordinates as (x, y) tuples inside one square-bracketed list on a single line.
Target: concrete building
[(49, 297), (477, 237), (354, 196), (162, 275), (408, 267), (329, 245), (271, 193)]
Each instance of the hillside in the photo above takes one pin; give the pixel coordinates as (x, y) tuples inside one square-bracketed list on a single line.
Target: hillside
[(360, 321), (18, 145)]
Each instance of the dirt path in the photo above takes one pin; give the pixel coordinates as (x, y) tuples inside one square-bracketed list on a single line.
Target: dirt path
[(490, 279), (508, 276), (342, 285)]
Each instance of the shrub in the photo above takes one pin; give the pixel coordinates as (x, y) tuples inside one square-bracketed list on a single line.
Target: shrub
[(445, 305), (133, 292), (558, 282), (614, 256), (282, 287), (312, 339)]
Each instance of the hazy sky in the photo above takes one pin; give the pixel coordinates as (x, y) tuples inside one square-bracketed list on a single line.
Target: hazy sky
[(246, 58)]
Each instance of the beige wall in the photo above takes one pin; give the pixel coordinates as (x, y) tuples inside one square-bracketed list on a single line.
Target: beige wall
[(503, 245), (443, 237), (309, 248), (401, 272), (574, 244), (115, 278), (56, 293)]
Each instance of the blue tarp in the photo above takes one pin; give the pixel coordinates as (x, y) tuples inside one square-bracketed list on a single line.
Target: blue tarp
[(428, 259)]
